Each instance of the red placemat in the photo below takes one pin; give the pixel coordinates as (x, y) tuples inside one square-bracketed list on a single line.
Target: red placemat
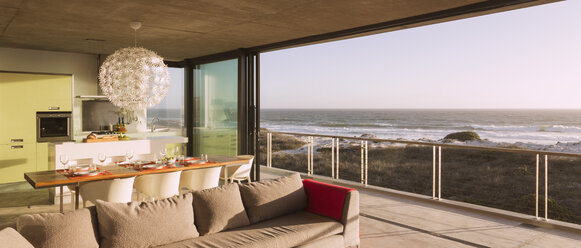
[(200, 163), (155, 168), (131, 165), (102, 173)]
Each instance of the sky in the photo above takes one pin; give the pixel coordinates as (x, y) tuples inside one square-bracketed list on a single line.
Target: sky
[(526, 58)]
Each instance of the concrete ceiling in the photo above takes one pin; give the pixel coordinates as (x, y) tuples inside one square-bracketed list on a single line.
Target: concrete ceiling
[(178, 29)]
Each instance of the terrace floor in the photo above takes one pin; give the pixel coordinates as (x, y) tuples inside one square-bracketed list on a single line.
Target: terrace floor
[(385, 221)]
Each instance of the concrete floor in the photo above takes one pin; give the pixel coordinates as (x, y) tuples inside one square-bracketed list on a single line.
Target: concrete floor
[(386, 221)]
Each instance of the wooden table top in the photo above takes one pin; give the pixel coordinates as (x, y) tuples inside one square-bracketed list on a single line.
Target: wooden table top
[(53, 178)]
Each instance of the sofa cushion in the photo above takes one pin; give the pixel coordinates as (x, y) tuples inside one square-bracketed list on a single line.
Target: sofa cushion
[(73, 229), (11, 238), (142, 224), (219, 209), (286, 231), (326, 199), (268, 199)]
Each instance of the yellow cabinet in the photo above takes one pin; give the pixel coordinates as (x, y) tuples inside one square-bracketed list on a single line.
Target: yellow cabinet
[(15, 160), (17, 116), (53, 93)]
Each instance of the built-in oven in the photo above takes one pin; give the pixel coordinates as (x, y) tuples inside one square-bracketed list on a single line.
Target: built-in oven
[(53, 126)]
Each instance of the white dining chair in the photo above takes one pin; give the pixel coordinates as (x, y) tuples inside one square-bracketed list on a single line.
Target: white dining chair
[(158, 186), (144, 157), (239, 173), (114, 159), (199, 179), (77, 162), (114, 190)]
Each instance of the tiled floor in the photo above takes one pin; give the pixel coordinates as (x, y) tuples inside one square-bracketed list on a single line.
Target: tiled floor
[(386, 221)]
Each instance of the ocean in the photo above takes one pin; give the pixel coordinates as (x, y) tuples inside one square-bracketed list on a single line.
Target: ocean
[(546, 127)]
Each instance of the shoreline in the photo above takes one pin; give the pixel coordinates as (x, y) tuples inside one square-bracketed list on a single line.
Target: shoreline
[(325, 143)]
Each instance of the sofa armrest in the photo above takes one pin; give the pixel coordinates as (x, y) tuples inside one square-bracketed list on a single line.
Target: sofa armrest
[(336, 202)]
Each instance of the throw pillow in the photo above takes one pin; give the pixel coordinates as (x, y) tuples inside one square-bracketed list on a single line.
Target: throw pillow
[(73, 229), (144, 224), (269, 199), (11, 238), (218, 209)]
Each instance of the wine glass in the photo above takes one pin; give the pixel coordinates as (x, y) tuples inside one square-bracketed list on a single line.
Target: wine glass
[(129, 155), (162, 153), (64, 159), (102, 157)]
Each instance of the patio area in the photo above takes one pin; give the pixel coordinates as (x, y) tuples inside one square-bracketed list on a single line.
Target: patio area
[(385, 221)]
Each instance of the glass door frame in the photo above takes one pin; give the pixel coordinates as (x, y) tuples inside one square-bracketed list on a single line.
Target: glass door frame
[(248, 117)]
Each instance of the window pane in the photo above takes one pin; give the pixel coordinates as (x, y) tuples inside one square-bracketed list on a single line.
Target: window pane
[(216, 108), (169, 113)]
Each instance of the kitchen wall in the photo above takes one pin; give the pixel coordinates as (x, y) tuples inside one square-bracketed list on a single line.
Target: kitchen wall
[(83, 67)]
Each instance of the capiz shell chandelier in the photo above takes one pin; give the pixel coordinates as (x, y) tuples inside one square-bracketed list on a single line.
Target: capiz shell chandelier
[(134, 78)]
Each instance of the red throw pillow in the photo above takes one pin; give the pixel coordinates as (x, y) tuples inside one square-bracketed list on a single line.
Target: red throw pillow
[(325, 199)]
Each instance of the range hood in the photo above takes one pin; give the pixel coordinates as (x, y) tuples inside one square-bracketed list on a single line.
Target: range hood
[(92, 97)]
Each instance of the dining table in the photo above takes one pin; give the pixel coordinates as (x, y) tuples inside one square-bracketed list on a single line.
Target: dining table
[(60, 178)]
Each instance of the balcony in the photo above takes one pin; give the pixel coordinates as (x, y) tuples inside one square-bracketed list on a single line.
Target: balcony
[(392, 219)]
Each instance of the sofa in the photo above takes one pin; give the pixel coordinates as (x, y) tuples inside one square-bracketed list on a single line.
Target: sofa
[(282, 212)]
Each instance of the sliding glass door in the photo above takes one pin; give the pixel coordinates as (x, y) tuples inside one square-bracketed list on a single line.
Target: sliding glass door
[(215, 108)]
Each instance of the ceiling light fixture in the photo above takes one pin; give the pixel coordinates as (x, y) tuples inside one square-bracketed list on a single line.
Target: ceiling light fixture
[(134, 78)]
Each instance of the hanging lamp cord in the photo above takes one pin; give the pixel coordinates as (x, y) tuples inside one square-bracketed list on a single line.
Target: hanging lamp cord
[(135, 37)]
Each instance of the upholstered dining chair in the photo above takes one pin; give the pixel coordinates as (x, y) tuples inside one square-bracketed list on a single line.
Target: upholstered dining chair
[(239, 173), (77, 162), (199, 179), (158, 186), (114, 190)]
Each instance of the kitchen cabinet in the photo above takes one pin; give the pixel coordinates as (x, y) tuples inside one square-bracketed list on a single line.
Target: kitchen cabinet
[(53, 93), (17, 117), (15, 160), (21, 96)]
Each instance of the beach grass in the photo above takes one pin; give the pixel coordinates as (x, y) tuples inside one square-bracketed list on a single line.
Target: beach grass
[(489, 178)]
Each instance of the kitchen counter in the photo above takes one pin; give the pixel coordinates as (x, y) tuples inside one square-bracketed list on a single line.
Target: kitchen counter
[(78, 150), (134, 136)]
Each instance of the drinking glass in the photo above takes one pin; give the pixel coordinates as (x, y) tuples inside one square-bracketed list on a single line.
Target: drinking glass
[(180, 158), (64, 160), (129, 155), (102, 157)]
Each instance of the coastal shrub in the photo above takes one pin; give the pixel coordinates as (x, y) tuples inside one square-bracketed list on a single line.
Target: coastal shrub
[(280, 142), (463, 136)]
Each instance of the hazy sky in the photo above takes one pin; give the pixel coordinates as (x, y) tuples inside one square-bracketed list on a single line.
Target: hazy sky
[(527, 58)]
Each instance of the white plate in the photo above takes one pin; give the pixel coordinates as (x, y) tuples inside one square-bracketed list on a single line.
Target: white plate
[(86, 173), (152, 166)]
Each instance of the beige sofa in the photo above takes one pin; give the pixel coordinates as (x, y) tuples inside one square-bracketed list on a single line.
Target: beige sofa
[(284, 212)]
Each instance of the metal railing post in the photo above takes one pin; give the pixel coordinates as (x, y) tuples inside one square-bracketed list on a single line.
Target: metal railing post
[(337, 173), (439, 172), (366, 163), (434, 172), (269, 150), (537, 190), (546, 188), (312, 155), (362, 165), (309, 155), (332, 158)]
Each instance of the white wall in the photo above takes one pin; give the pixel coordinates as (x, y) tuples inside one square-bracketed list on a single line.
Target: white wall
[(83, 67)]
